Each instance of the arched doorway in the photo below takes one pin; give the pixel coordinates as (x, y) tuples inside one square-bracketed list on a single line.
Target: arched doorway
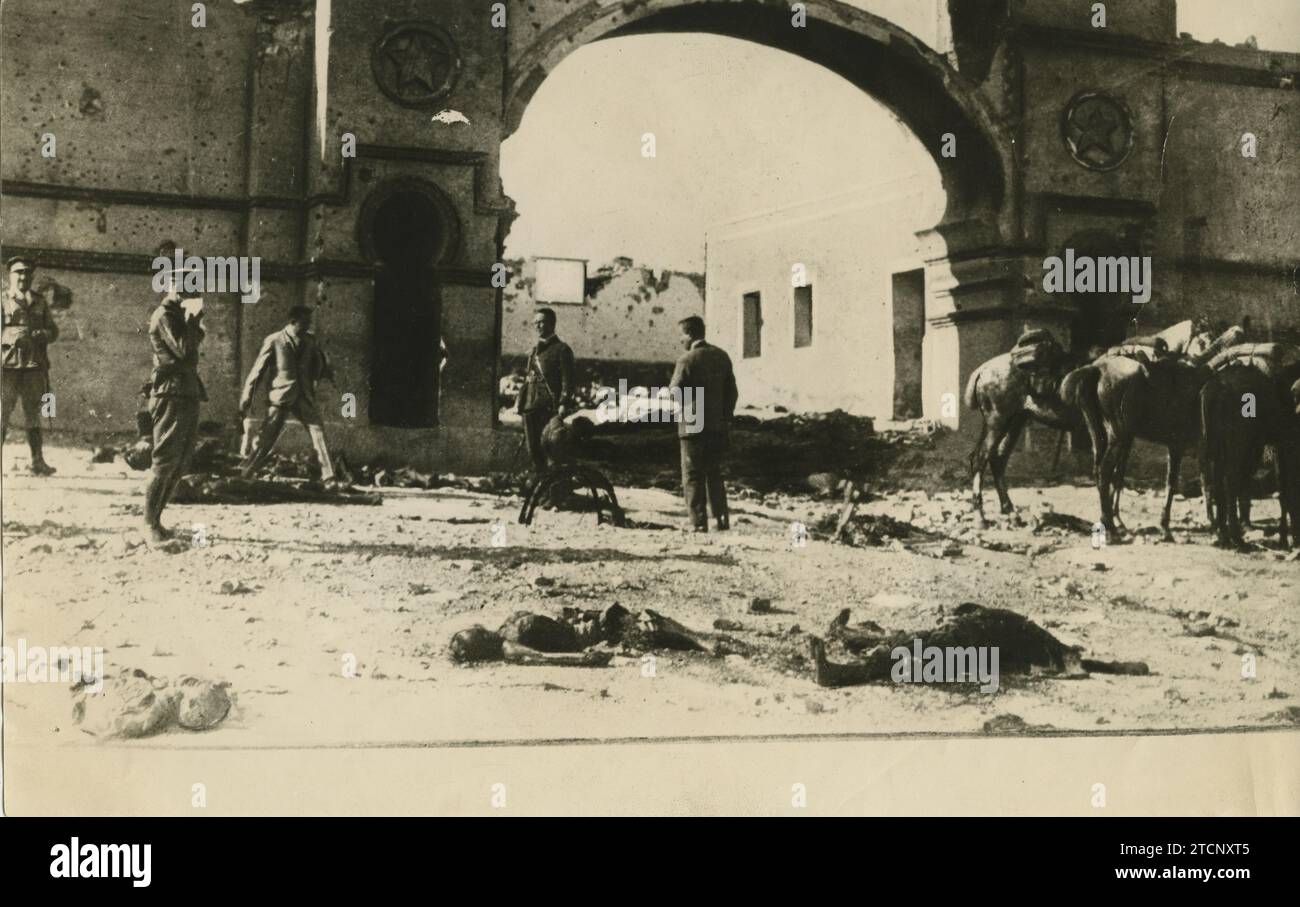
[(407, 228)]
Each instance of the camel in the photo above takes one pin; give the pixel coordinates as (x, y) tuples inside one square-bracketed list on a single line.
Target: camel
[(1122, 399), (1233, 438)]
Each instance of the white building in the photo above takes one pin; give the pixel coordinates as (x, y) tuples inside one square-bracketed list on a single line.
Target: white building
[(821, 304)]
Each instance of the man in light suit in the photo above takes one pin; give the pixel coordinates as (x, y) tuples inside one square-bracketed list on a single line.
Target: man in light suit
[(707, 387), (295, 362)]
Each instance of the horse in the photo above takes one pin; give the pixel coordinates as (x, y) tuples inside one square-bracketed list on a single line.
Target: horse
[(1122, 399), (1007, 400), (1233, 440)]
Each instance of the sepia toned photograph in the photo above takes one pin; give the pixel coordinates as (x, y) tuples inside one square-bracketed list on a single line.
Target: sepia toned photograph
[(673, 385)]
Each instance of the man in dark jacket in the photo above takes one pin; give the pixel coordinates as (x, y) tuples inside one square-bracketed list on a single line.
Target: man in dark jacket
[(548, 385), (28, 327), (706, 386), (295, 362)]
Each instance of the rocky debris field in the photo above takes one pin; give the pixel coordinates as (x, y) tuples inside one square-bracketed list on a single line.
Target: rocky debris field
[(327, 624)]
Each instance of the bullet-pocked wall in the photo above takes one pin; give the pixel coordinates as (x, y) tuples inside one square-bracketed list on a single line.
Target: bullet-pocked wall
[(123, 125)]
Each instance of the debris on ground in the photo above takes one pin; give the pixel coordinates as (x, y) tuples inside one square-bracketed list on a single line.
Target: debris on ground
[(1013, 725), (132, 703), (868, 530), (210, 489)]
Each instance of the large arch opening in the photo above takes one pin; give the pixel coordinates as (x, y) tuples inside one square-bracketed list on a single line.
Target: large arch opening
[(894, 67), (868, 339)]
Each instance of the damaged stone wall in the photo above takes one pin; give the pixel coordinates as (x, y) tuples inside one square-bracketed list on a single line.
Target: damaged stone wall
[(630, 314), (148, 123)]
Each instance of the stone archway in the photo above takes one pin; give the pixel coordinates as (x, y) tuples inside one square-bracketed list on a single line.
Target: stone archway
[(972, 282), (897, 69)]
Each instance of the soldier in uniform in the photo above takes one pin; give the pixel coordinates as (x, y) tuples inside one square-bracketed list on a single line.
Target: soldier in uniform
[(705, 372), (175, 393), (294, 360), (548, 385), (28, 327)]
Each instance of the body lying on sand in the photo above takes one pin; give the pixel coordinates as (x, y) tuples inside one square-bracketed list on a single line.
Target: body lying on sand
[(1022, 649), (582, 638)]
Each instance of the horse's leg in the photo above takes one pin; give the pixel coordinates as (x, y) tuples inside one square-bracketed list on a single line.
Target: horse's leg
[(1238, 467), (990, 436), (1173, 462), (1121, 472), (1105, 473), (1205, 465), (1283, 464), (1253, 464), (1001, 455)]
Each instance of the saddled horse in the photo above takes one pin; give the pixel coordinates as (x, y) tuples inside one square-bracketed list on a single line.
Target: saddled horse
[(1005, 395), (1009, 397), (1122, 399)]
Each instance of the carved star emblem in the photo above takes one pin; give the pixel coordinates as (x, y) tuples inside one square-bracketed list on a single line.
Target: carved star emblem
[(1098, 132), (1097, 127), (415, 63), (419, 61)]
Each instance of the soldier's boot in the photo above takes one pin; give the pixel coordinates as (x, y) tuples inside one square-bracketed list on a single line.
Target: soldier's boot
[(155, 494), (39, 466)]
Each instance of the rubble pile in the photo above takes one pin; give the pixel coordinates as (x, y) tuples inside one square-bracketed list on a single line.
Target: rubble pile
[(829, 449), (292, 478)]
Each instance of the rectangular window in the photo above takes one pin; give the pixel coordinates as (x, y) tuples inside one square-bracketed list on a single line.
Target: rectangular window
[(803, 316), (753, 340)]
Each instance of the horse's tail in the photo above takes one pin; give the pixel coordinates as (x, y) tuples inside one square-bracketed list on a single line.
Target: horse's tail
[(972, 384), (1079, 390), (1079, 387)]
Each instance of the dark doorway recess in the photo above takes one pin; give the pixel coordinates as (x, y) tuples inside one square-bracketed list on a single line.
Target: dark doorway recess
[(1103, 319), (408, 235), (909, 337)]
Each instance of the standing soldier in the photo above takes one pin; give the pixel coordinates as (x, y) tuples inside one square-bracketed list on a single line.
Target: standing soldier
[(295, 362), (175, 393), (704, 372), (548, 385), (28, 326)]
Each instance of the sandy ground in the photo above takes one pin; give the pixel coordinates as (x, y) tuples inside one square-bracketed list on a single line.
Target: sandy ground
[(386, 586)]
